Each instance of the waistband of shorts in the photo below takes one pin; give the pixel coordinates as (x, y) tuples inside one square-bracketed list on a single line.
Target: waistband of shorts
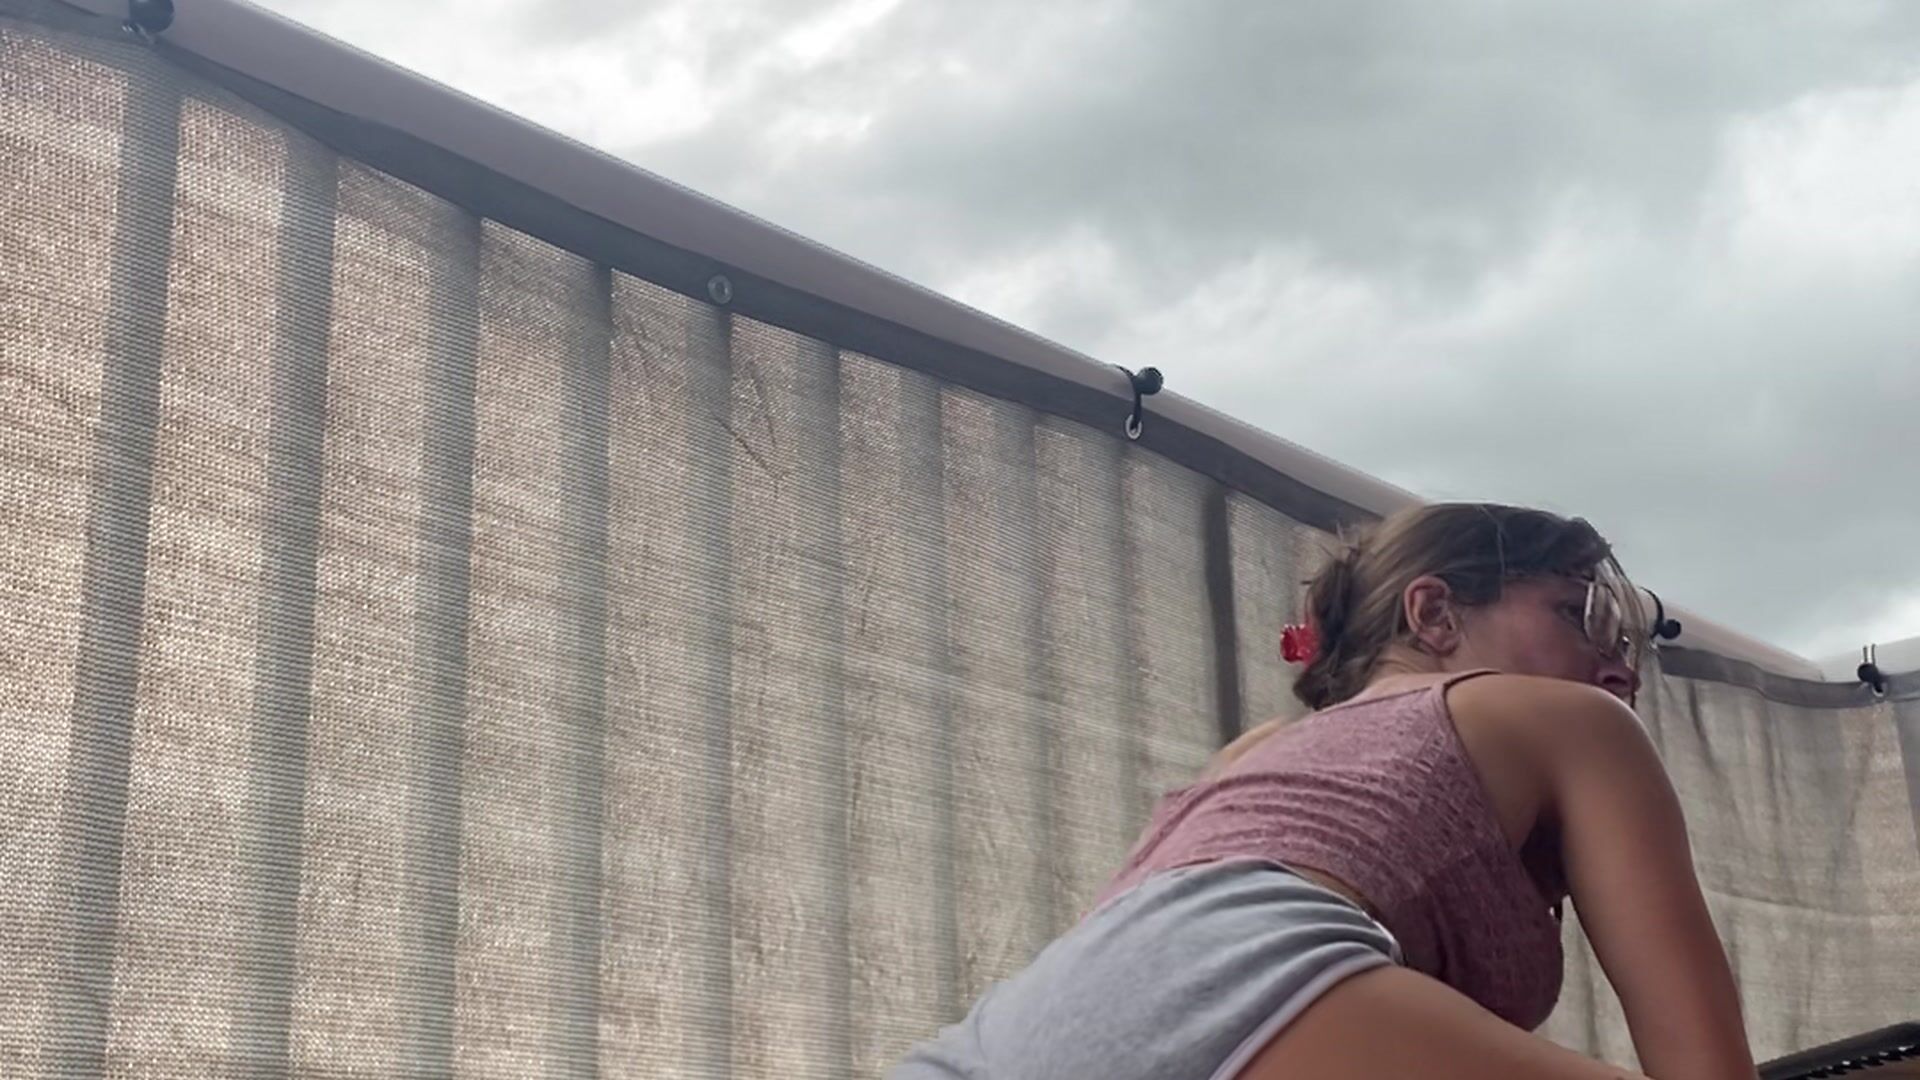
[(1254, 864)]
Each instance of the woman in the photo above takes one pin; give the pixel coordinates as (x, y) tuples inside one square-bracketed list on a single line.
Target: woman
[(1374, 890)]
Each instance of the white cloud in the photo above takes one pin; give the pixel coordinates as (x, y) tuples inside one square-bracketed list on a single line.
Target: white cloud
[(1894, 627), (1026, 286), (833, 31), (1825, 190), (601, 94)]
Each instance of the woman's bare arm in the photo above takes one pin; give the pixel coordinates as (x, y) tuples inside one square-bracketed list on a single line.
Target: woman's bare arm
[(1630, 872)]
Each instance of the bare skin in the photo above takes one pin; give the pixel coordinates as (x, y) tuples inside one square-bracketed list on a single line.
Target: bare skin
[(1580, 792)]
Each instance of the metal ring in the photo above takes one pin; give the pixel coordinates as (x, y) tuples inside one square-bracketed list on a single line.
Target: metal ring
[(720, 289), (1146, 381)]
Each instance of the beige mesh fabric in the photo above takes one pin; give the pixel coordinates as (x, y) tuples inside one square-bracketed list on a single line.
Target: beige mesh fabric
[(1273, 558), (427, 652)]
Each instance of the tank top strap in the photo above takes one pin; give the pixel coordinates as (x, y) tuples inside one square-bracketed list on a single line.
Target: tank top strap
[(1459, 677)]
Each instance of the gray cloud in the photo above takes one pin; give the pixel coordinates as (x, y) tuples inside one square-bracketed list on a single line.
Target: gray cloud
[(1515, 251), (1412, 138)]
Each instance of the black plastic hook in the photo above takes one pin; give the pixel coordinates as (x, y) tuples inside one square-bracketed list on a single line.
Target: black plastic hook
[(1146, 382), (1664, 629), (148, 19), (1869, 669)]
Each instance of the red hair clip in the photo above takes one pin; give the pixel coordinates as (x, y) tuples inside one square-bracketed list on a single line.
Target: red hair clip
[(1299, 643)]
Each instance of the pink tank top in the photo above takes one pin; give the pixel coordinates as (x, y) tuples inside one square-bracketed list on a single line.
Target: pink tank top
[(1381, 794)]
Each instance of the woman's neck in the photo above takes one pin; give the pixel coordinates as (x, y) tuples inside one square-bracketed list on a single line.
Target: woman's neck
[(1399, 662), (1400, 669)]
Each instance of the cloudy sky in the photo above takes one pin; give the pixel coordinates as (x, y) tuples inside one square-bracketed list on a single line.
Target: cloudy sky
[(1653, 263)]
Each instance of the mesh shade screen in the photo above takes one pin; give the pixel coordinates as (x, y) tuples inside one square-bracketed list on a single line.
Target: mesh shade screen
[(428, 652)]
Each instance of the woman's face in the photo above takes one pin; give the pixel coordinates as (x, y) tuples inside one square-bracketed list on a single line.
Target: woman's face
[(1539, 627)]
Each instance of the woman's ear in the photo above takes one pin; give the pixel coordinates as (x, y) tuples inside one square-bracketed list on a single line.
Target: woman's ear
[(1431, 615)]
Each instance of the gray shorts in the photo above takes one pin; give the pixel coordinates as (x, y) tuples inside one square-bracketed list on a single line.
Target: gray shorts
[(1184, 977)]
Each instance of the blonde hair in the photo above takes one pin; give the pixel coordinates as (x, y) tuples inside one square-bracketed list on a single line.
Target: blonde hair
[(1476, 548)]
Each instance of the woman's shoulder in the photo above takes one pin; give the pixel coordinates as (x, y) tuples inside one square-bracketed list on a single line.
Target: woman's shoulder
[(1525, 733), (1535, 703)]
